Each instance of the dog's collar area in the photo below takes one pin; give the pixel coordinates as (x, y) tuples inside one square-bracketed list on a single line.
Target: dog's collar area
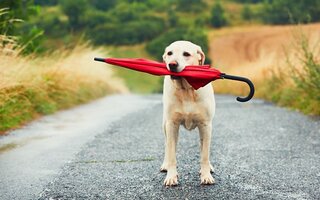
[(181, 84)]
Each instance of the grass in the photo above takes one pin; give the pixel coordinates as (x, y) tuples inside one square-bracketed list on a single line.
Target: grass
[(298, 87), (137, 82), (33, 86)]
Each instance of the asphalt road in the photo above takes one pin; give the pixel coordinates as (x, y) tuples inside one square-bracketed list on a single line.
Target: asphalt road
[(259, 151)]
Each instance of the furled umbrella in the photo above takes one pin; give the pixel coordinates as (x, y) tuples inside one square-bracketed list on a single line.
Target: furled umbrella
[(197, 76)]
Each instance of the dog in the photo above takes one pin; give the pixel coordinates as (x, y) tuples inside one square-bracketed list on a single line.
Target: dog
[(183, 105)]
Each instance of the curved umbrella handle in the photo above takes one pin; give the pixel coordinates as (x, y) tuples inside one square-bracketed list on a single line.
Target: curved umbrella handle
[(238, 78)]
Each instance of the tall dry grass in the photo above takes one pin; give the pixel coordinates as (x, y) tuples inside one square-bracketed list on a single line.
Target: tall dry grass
[(32, 86)]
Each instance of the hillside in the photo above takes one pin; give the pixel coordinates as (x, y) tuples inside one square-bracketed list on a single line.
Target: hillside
[(254, 51), (235, 48)]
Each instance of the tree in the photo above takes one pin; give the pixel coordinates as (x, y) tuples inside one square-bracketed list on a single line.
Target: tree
[(46, 2), (18, 10), (74, 10), (218, 18), (14, 17), (287, 11), (190, 5), (172, 18), (103, 5), (246, 12)]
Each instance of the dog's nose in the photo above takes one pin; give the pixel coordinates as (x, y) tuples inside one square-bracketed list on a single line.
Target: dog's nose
[(173, 66)]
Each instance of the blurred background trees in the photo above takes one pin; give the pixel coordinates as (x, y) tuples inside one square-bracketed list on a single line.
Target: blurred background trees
[(218, 18), (42, 25)]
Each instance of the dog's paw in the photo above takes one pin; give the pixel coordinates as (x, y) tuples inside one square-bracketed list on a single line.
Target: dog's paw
[(207, 179), (171, 180)]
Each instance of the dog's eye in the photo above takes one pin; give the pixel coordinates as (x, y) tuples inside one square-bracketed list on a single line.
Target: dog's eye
[(169, 53), (186, 54)]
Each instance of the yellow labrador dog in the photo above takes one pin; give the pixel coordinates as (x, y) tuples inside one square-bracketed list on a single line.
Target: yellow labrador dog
[(182, 105)]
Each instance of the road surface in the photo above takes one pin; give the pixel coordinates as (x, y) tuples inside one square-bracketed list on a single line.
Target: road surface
[(113, 149)]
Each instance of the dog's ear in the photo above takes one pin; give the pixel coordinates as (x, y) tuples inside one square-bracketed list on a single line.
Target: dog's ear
[(164, 56), (201, 56)]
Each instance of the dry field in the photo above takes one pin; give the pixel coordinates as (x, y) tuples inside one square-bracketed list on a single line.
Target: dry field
[(254, 52)]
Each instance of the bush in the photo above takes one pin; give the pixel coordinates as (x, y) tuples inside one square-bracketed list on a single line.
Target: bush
[(53, 26), (94, 18), (46, 2), (287, 11), (249, 1), (190, 5), (218, 18), (13, 22), (132, 33), (246, 12), (125, 12), (74, 10), (157, 46), (103, 5)]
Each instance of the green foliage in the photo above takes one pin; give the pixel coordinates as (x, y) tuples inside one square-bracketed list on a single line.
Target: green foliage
[(132, 33), (246, 13), (287, 11), (190, 5), (17, 11), (46, 2), (218, 18), (31, 40), (249, 1), (13, 22), (172, 18), (128, 12), (103, 4), (53, 26), (74, 10)]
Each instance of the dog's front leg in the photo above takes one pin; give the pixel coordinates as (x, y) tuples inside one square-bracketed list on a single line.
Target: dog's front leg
[(171, 133), (205, 140)]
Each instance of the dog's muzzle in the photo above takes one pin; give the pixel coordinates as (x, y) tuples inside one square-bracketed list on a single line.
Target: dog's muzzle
[(173, 66)]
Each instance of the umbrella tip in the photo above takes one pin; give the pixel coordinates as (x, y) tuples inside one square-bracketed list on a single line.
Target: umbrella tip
[(99, 59)]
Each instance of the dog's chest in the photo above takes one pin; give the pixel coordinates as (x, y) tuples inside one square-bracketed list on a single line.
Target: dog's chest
[(189, 114)]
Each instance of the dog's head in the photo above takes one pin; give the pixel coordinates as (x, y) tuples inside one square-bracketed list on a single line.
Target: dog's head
[(180, 54)]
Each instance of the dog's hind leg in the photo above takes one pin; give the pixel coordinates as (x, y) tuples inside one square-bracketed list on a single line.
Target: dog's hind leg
[(205, 140)]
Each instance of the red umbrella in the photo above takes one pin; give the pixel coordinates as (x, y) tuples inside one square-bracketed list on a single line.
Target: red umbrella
[(197, 76)]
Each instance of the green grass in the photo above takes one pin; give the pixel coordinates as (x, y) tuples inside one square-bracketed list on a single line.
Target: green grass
[(136, 82)]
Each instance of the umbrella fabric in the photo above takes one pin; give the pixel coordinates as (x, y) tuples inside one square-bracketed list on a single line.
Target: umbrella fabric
[(197, 76)]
